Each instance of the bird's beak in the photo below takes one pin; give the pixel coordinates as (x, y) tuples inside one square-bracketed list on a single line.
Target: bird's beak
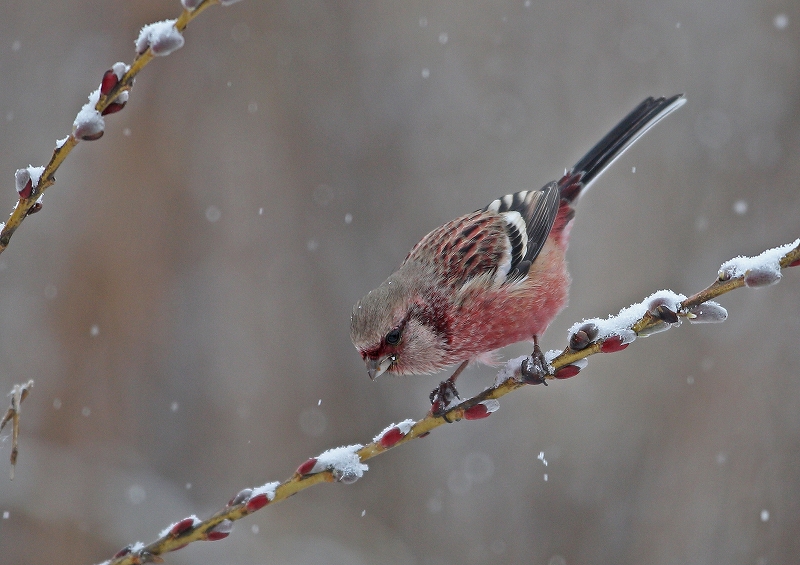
[(376, 367)]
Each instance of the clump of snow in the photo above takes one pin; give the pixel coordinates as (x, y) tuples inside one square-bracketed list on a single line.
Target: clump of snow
[(27, 179), (510, 370), (404, 427), (89, 124), (60, 143), (268, 489), (112, 76), (621, 324), (120, 69), (343, 462), (35, 174), (762, 270), (551, 354), (161, 37)]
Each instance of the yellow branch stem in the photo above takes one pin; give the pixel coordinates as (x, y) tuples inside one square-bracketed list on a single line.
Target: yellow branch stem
[(23, 206)]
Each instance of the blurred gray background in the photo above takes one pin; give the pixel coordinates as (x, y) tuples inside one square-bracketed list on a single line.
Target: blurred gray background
[(182, 300)]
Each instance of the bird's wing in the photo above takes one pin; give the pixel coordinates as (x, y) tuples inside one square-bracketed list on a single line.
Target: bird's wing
[(529, 217), (501, 241)]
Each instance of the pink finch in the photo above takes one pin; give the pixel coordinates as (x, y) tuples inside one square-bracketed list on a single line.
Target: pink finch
[(490, 278)]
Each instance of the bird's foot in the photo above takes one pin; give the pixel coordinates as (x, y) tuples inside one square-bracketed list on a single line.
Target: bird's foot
[(534, 368), (443, 396), (446, 393)]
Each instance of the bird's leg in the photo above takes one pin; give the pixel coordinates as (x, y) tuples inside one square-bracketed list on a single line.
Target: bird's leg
[(534, 368), (446, 392)]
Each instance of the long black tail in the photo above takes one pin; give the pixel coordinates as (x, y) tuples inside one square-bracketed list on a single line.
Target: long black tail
[(632, 127)]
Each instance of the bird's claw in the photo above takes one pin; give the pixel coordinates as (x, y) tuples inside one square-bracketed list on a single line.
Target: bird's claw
[(442, 396), (534, 368)]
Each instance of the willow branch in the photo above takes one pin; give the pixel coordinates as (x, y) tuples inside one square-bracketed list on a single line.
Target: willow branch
[(113, 95), (661, 311), (18, 394)]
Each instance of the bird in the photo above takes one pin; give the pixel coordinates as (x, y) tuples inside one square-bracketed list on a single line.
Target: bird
[(490, 278)]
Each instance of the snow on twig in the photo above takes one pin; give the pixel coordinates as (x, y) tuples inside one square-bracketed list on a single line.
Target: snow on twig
[(342, 463)]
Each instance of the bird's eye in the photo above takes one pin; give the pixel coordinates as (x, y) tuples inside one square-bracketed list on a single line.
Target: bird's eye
[(393, 337)]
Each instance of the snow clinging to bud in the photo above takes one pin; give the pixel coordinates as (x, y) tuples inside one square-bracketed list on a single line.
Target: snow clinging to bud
[(621, 324), (762, 270), (180, 526), (343, 462), (402, 429), (27, 179), (89, 124), (161, 37), (267, 489)]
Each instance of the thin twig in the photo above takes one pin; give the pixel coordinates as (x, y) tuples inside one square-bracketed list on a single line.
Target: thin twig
[(25, 206), (219, 525), (18, 394)]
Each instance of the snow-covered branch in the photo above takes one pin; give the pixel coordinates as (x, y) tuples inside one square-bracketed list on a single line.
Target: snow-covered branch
[(658, 312), (18, 393), (157, 39)]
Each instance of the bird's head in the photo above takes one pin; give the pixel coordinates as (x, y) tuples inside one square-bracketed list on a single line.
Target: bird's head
[(395, 331)]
